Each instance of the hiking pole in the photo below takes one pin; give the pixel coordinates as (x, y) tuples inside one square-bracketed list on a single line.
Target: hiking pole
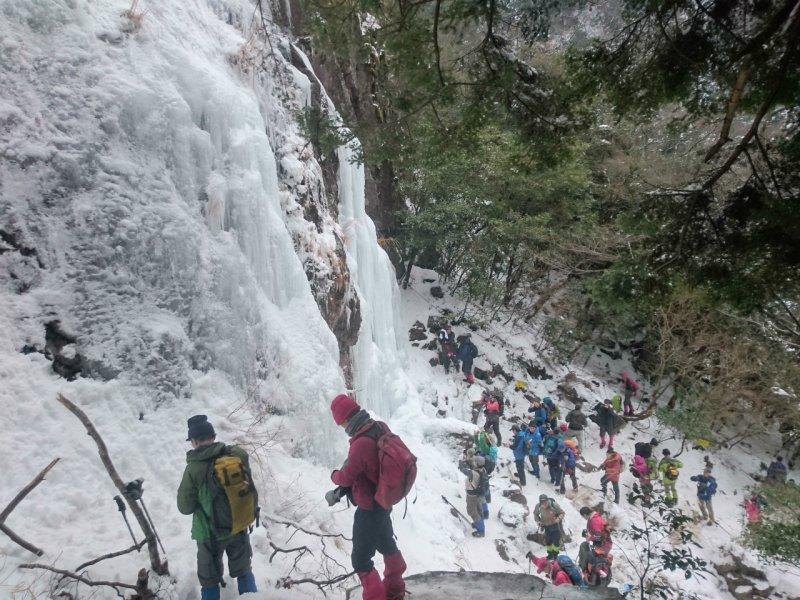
[(121, 508), (134, 491), (458, 512)]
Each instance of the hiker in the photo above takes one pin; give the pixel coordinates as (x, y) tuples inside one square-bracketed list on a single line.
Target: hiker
[(553, 411), (467, 352), (612, 466), (777, 471), (669, 469), (555, 574), (486, 446), (472, 468), (533, 440), (218, 526), (569, 460), (616, 402), (447, 345), (372, 523), (538, 412), (606, 420), (706, 488), (598, 566), (493, 409), (753, 507), (549, 516), (555, 461), (519, 449), (641, 470), (629, 389), (597, 528), (645, 449), (577, 422)]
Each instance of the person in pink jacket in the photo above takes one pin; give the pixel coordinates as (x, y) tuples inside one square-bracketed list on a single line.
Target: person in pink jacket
[(641, 471), (597, 529)]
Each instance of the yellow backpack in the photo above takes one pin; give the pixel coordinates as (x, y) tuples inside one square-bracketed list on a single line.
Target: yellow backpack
[(234, 478)]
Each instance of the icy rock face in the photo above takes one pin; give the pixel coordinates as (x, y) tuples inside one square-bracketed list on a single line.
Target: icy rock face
[(170, 236), (499, 586)]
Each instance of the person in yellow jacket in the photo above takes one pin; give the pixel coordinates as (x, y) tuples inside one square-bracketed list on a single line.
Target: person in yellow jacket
[(668, 470)]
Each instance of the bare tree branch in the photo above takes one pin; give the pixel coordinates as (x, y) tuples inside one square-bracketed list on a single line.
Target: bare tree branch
[(15, 501), (69, 574)]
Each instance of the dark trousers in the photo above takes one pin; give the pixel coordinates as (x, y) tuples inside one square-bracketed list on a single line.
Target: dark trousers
[(493, 420), (372, 531), (571, 473), (534, 458), (604, 481), (552, 535), (209, 558), (466, 366), (444, 356), (520, 470)]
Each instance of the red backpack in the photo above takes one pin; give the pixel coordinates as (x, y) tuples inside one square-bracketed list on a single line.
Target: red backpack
[(397, 468)]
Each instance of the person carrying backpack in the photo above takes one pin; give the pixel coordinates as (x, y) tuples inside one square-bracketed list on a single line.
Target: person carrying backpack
[(549, 516), (538, 412), (613, 467), (641, 470), (519, 448), (373, 485), (222, 508), (606, 420), (669, 469), (777, 471), (486, 446), (706, 488), (629, 388), (472, 468), (533, 441), (569, 461), (447, 347), (597, 528), (467, 353), (492, 409), (598, 566), (553, 450), (553, 411), (577, 422)]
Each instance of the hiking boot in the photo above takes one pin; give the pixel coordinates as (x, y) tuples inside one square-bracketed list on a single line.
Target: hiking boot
[(246, 583), (477, 534), (210, 592), (710, 522)]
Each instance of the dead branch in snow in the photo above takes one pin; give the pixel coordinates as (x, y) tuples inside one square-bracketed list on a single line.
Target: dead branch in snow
[(287, 583), (309, 532), (13, 504), (94, 561), (301, 550), (117, 585), (160, 568)]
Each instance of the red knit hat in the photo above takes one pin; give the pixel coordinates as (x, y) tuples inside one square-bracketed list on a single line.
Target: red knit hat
[(540, 562), (563, 427), (343, 407)]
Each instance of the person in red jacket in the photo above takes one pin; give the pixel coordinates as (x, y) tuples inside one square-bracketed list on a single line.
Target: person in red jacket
[(551, 568), (613, 467), (629, 389), (597, 529), (372, 524)]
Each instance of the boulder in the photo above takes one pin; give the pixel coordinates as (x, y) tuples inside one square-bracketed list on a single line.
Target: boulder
[(498, 371), (436, 292), (515, 495), (417, 332), (513, 514), (434, 362), (432, 345), (482, 375), (502, 549)]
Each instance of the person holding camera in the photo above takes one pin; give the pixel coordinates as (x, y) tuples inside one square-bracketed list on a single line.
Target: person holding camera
[(372, 523)]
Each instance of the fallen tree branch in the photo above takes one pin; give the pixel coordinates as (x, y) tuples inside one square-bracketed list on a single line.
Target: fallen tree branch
[(70, 575), (161, 568), (320, 583), (15, 501), (308, 531), (94, 561), (301, 549)]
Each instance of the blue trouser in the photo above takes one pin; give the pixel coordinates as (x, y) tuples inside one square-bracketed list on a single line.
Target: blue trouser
[(534, 458)]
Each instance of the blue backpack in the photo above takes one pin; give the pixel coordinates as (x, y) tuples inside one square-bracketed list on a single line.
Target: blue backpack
[(569, 567), (570, 459)]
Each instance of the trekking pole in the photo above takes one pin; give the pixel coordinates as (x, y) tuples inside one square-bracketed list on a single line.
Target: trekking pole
[(134, 491), (121, 508), (460, 514)]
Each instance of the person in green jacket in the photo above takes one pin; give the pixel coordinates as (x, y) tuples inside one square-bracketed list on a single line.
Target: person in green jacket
[(668, 470), (196, 498)]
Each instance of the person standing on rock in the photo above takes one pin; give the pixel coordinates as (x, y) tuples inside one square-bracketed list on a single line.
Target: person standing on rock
[(706, 488), (576, 422), (447, 345), (549, 516), (518, 447), (467, 353), (612, 466), (219, 526), (372, 524)]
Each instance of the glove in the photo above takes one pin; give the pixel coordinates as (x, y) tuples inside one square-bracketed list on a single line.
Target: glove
[(529, 555), (333, 496)]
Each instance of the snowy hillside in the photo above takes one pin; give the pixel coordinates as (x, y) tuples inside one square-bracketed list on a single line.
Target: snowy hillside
[(170, 245)]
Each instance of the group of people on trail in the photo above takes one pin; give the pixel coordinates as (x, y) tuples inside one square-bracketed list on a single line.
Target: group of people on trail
[(454, 350), (593, 566)]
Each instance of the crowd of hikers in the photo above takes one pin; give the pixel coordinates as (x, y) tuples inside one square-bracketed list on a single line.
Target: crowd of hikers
[(218, 491)]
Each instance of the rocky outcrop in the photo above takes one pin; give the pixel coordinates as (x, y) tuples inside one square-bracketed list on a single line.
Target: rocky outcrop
[(464, 585)]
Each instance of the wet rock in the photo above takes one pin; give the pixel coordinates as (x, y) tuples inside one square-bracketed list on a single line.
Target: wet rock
[(61, 349), (432, 345), (434, 362), (482, 375), (436, 322), (498, 371), (515, 495), (441, 412), (472, 585), (502, 549), (534, 370), (436, 292), (417, 332)]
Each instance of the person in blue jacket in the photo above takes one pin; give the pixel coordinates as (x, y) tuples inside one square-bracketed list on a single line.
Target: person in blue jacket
[(552, 411), (706, 488), (519, 449), (538, 412), (534, 443)]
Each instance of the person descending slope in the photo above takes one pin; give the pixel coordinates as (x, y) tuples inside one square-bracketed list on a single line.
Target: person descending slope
[(606, 419), (493, 409), (549, 516), (629, 389), (669, 469), (467, 352), (370, 478), (538, 412), (217, 490), (613, 467), (472, 469), (447, 347), (706, 488), (555, 464)]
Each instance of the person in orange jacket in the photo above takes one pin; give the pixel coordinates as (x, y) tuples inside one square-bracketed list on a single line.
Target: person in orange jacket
[(612, 466)]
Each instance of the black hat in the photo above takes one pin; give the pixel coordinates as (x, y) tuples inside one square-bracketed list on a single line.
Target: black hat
[(654, 442), (199, 428)]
